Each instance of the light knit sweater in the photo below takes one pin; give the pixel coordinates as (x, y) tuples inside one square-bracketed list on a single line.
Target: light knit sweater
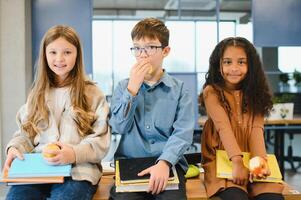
[(89, 150)]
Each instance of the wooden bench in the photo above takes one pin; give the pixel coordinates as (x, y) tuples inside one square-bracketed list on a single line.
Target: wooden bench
[(194, 187)]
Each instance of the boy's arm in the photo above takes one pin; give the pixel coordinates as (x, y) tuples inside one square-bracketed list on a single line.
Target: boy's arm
[(183, 126), (123, 107)]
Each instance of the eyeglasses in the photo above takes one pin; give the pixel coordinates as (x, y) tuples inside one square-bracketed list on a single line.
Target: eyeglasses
[(149, 50)]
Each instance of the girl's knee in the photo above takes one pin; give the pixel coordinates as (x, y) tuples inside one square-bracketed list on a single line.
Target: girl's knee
[(269, 196)]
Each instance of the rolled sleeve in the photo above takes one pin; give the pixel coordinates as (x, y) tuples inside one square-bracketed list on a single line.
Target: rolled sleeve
[(122, 109)]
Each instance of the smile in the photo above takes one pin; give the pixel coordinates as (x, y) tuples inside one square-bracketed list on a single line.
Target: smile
[(60, 66)]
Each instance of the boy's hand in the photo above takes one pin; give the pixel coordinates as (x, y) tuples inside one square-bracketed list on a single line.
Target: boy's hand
[(240, 173), (63, 156), (137, 74), (159, 174), (11, 155)]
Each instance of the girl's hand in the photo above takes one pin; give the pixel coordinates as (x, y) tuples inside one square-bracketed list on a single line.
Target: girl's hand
[(11, 155), (63, 156), (137, 74), (259, 168), (240, 173), (159, 175)]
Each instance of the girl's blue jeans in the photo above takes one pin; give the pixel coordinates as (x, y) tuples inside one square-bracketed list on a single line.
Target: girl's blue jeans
[(70, 189)]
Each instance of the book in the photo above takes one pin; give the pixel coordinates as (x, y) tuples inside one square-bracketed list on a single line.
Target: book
[(35, 180), (142, 186), (224, 167), (35, 169), (34, 165), (130, 167)]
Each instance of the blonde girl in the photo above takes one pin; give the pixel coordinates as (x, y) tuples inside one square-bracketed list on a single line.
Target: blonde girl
[(64, 108)]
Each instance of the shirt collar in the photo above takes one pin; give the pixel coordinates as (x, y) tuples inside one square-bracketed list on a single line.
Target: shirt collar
[(166, 80)]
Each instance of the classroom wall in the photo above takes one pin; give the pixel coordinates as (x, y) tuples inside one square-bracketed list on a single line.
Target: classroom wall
[(15, 64), (75, 13), (0, 87), (276, 16)]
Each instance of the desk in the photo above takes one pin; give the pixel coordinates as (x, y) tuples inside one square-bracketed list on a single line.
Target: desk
[(280, 127)]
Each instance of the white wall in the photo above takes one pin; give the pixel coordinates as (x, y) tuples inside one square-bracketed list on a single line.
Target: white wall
[(15, 64), (0, 86)]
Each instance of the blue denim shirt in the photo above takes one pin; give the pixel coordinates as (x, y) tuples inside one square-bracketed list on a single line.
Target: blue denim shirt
[(158, 121)]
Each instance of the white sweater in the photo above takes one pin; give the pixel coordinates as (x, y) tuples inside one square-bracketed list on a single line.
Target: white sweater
[(89, 150)]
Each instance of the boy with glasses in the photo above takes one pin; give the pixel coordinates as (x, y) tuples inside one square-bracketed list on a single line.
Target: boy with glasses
[(153, 114)]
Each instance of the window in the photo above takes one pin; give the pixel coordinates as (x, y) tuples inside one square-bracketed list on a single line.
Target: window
[(112, 59), (102, 55), (287, 59), (245, 30), (182, 54)]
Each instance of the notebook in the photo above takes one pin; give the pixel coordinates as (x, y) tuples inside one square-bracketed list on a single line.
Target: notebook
[(224, 167), (34, 165), (141, 186), (130, 167)]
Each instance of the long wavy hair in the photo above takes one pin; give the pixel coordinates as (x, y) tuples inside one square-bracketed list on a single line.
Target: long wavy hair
[(45, 78), (256, 92)]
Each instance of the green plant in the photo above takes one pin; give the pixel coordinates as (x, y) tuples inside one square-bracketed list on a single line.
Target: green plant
[(283, 98), (284, 77), (297, 77)]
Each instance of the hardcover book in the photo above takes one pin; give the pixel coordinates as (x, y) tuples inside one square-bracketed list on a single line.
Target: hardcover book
[(35, 169), (130, 167), (140, 185), (224, 167)]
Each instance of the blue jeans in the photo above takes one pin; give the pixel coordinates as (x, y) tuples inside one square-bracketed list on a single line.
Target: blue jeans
[(70, 189)]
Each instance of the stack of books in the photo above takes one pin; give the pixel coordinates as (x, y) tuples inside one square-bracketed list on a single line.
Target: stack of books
[(224, 167), (127, 179), (34, 169)]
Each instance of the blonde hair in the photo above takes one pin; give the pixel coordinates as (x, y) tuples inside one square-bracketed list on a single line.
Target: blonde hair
[(45, 78)]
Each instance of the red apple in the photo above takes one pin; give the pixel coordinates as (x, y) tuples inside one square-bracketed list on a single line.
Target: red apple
[(257, 166)]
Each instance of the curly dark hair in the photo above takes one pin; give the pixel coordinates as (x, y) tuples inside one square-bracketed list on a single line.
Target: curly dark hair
[(256, 92)]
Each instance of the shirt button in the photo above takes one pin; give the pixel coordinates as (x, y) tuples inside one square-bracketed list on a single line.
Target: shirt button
[(152, 141), (147, 126)]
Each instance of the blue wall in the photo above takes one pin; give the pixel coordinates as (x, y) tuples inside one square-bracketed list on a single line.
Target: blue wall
[(75, 13), (276, 22)]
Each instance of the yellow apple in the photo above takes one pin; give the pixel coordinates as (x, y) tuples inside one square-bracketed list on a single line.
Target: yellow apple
[(50, 147), (150, 71)]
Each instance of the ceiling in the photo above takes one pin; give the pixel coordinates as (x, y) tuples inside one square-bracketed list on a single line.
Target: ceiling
[(173, 9)]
